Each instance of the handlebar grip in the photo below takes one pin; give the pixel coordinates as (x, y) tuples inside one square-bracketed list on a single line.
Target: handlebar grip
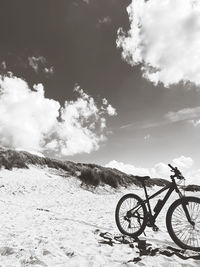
[(171, 166)]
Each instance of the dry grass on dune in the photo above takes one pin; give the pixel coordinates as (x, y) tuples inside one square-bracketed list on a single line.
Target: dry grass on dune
[(89, 174)]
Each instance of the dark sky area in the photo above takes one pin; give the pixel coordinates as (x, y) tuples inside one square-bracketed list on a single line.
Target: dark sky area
[(78, 38), (68, 34)]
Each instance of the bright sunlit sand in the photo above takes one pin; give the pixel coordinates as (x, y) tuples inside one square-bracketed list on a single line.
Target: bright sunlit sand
[(48, 219)]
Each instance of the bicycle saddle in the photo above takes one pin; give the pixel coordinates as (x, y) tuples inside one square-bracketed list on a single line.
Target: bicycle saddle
[(142, 178)]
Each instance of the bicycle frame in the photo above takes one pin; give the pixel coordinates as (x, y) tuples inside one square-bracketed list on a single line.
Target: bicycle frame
[(133, 214), (170, 187)]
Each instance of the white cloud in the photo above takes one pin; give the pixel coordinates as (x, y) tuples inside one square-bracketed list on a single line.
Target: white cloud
[(183, 162), (106, 107), (103, 123), (39, 64), (25, 116), (79, 119), (105, 101), (111, 110), (195, 123), (128, 168), (194, 177), (159, 170), (30, 121), (36, 62), (184, 114), (104, 20), (164, 39), (49, 70), (3, 65), (189, 115)]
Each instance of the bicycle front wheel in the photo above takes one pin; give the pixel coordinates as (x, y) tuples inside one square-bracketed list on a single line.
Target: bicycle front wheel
[(184, 230), (131, 215)]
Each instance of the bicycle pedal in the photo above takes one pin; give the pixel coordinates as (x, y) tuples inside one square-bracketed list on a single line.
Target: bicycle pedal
[(155, 228)]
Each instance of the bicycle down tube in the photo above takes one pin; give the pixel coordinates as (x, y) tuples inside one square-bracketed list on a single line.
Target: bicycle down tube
[(171, 186)]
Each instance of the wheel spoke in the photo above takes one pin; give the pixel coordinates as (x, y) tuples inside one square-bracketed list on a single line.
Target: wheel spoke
[(185, 233), (130, 215)]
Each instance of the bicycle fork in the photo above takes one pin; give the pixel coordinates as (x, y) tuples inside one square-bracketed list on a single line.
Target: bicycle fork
[(184, 205)]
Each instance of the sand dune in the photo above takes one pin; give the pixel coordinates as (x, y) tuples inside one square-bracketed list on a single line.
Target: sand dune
[(49, 219)]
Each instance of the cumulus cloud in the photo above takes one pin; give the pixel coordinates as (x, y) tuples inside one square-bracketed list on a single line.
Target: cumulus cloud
[(159, 170), (164, 40), (30, 121), (108, 108), (105, 101), (25, 116), (111, 111), (194, 176), (183, 162), (127, 168), (81, 126)]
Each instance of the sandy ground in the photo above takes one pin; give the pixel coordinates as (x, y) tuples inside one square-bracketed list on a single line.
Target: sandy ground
[(48, 219)]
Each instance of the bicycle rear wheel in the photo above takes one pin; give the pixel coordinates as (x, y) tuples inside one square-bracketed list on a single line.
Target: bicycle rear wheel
[(131, 215), (184, 233)]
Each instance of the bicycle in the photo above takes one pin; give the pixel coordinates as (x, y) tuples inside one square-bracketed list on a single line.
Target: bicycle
[(133, 214)]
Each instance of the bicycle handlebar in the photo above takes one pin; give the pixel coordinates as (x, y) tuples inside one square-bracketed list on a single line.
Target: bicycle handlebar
[(171, 167), (176, 171)]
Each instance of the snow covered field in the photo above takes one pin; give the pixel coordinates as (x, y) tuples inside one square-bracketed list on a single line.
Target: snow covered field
[(48, 219)]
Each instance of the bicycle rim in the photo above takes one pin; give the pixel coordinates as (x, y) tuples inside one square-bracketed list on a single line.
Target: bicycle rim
[(184, 233), (132, 225)]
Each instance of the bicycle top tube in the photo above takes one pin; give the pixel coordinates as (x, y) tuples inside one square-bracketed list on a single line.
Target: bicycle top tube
[(170, 185)]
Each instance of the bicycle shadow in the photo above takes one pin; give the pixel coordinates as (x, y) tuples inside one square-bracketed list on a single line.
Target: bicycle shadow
[(144, 248)]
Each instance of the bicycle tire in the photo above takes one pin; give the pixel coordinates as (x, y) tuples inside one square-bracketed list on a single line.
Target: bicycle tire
[(122, 222), (180, 230)]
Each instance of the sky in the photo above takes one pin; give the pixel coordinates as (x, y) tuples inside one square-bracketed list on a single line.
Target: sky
[(111, 82)]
